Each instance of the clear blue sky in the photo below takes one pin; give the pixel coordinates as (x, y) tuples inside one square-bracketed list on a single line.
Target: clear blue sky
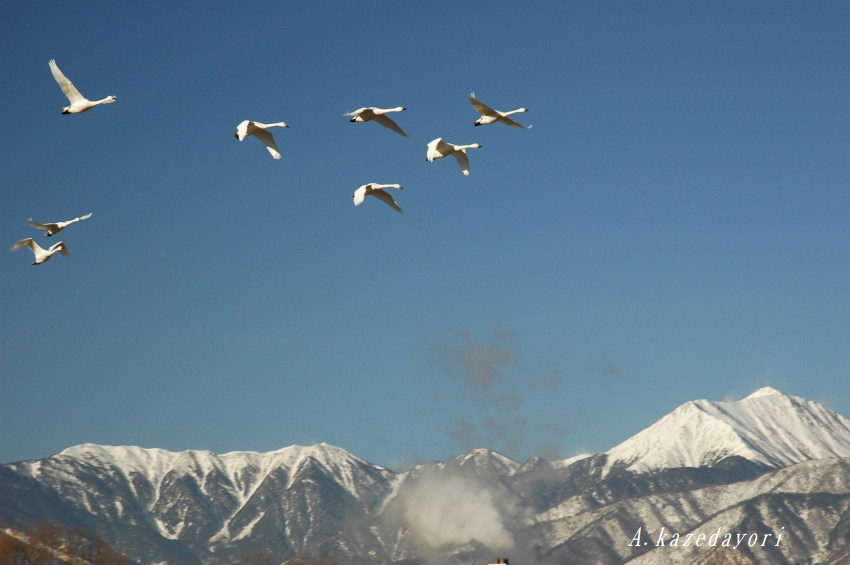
[(675, 226)]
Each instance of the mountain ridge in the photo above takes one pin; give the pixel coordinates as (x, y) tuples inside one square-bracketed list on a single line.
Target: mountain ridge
[(750, 461)]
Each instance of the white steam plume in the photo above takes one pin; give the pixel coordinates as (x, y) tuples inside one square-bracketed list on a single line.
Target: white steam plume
[(448, 510)]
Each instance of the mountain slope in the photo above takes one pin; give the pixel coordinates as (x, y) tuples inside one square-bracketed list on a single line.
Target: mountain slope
[(289, 499), (768, 427), (806, 504), (759, 465)]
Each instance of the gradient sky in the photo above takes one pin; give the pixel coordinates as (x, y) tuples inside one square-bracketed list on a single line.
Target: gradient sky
[(676, 225)]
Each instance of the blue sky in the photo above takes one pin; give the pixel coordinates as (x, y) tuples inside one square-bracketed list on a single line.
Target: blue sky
[(673, 227)]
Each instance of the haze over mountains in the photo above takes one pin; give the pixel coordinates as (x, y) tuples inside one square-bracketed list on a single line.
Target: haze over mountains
[(771, 465)]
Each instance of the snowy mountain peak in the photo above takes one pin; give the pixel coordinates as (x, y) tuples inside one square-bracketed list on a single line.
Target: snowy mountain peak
[(481, 458), (767, 427), (764, 391)]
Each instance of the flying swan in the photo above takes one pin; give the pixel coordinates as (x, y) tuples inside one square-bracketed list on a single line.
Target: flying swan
[(379, 115), (258, 130), (41, 255), (79, 103), (437, 149), (489, 115), (54, 228), (376, 190)]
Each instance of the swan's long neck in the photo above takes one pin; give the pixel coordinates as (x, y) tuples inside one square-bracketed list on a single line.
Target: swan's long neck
[(470, 146), (278, 124), (107, 100), (517, 111)]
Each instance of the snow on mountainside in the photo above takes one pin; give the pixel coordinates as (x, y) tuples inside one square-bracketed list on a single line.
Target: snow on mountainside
[(767, 427), (245, 469), (324, 503), (153, 475)]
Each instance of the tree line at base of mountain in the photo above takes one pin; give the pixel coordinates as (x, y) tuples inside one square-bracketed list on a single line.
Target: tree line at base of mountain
[(47, 543)]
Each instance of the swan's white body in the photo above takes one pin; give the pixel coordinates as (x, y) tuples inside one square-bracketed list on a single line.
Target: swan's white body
[(379, 115), (54, 228), (258, 130), (437, 149), (79, 103), (489, 115), (376, 190), (41, 255)]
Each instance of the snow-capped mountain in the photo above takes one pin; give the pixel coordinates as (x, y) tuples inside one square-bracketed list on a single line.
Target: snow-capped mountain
[(203, 503), (768, 464), (768, 427)]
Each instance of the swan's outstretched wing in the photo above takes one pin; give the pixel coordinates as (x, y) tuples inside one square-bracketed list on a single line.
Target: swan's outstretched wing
[(268, 139), (463, 161), (389, 123), (480, 107), (60, 247), (364, 114), (385, 196), (66, 85), (510, 122), (28, 242), (41, 226)]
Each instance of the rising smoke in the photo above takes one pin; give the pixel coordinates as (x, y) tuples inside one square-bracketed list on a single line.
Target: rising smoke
[(493, 382), (446, 508)]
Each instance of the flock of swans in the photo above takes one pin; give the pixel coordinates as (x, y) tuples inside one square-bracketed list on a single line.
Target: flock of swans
[(437, 149)]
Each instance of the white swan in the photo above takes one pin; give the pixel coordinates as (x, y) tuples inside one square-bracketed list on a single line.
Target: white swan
[(379, 115), (258, 130), (376, 190), (41, 255), (437, 149), (489, 115), (54, 228), (79, 103)]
